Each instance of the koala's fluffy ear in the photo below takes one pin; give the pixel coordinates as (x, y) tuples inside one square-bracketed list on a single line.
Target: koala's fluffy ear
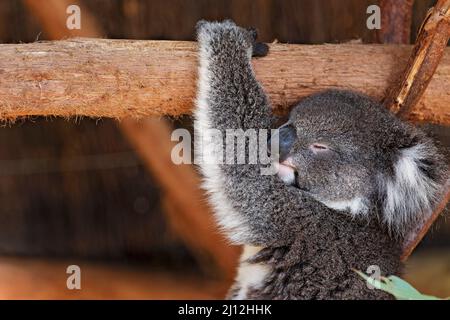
[(415, 184)]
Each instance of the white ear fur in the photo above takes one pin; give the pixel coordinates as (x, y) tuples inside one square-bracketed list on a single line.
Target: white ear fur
[(409, 194)]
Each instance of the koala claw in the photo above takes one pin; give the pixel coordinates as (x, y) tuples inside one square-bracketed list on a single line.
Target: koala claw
[(260, 49)]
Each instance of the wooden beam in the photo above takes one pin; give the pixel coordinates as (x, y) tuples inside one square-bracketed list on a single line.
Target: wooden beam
[(120, 78)]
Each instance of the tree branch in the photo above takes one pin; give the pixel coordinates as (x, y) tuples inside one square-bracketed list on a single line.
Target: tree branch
[(427, 53)]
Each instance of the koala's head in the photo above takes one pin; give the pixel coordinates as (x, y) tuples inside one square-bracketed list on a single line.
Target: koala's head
[(351, 154)]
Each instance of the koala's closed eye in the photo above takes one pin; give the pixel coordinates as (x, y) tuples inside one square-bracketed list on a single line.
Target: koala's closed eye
[(319, 148), (322, 151)]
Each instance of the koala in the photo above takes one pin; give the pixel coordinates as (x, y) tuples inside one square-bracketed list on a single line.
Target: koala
[(352, 180)]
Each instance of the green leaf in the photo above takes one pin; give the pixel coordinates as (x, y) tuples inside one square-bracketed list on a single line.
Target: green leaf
[(398, 287)]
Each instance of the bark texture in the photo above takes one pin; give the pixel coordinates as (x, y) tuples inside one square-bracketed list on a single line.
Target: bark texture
[(120, 78)]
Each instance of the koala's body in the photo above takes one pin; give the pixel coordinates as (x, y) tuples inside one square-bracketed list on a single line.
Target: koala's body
[(352, 181)]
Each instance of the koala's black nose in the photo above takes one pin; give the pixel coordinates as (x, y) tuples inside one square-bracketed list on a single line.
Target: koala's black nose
[(287, 139), (286, 136)]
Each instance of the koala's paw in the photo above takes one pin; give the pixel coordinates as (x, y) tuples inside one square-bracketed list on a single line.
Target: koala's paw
[(215, 31), (227, 35), (260, 49)]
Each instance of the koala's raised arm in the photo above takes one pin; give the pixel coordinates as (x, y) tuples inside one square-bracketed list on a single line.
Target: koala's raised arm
[(229, 98)]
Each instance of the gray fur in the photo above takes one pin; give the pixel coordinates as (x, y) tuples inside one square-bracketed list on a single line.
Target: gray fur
[(310, 247)]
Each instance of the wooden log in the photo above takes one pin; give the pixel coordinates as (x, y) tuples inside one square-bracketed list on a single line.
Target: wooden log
[(120, 78)]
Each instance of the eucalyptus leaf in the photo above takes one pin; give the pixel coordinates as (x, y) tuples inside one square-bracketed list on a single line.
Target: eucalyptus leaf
[(398, 287)]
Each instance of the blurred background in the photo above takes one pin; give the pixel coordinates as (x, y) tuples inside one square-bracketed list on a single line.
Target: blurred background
[(103, 194)]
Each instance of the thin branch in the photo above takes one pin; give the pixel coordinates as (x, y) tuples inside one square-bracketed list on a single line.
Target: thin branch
[(422, 230)]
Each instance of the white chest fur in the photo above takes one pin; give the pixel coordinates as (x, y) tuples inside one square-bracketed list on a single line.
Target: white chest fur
[(250, 275)]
